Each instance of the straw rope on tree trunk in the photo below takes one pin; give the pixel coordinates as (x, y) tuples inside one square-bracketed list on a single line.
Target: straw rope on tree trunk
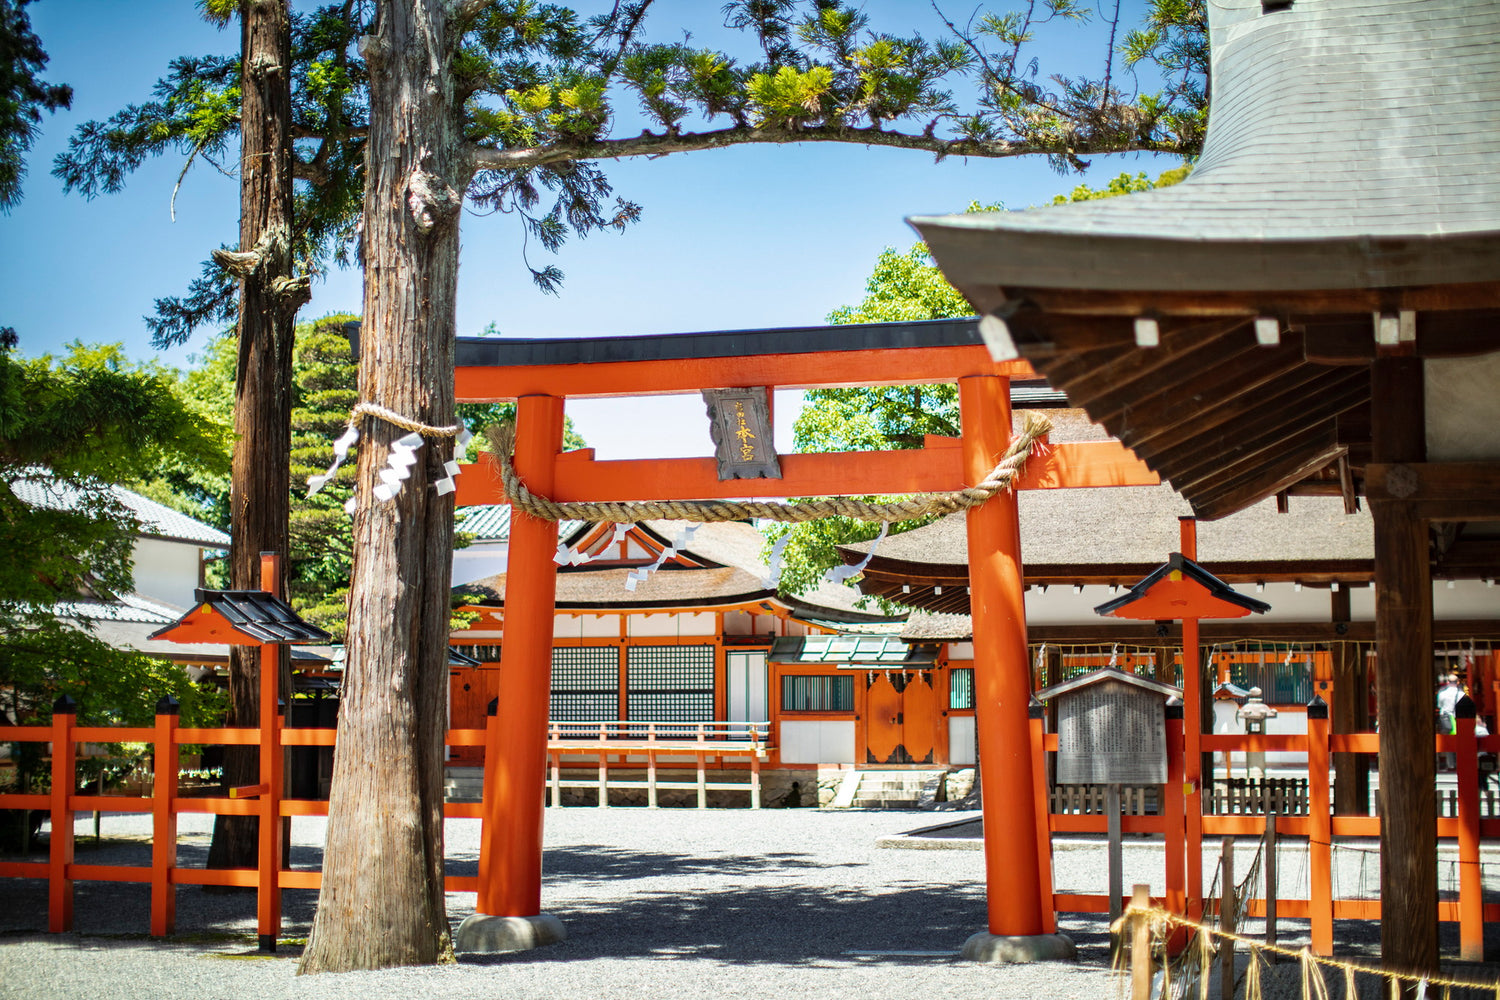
[(1002, 477)]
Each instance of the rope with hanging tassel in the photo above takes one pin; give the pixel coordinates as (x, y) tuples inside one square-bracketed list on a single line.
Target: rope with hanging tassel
[(1001, 478)]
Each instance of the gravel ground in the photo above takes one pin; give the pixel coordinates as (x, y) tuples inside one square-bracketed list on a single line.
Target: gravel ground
[(662, 904)]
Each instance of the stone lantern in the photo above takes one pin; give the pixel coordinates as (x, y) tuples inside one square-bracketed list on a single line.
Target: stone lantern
[(1254, 713)]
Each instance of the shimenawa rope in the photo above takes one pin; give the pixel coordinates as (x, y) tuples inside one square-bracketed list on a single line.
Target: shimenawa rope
[(1002, 477)]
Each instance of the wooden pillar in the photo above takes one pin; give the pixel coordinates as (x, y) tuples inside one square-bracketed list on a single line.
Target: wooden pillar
[(1041, 786), (1350, 711), (1403, 683), (1002, 673), (268, 831), (60, 843), (1470, 875), (1319, 828), (164, 820), (271, 844), (1195, 702), (510, 859), (1174, 812)]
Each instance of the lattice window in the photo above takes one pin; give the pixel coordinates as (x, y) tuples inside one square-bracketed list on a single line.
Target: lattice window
[(817, 694), (670, 683), (585, 684), (961, 687)]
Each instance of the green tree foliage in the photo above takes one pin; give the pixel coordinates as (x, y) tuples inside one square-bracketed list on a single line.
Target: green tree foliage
[(324, 374), (23, 96), (904, 287), (68, 429)]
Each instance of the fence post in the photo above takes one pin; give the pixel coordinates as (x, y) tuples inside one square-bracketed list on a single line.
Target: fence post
[(1226, 920), (164, 820), (268, 897), (60, 846), (1319, 827), (1271, 884), (1036, 716), (1140, 945), (1115, 850), (1470, 880)]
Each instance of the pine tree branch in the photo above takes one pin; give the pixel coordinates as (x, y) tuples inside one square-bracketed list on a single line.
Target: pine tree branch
[(651, 144)]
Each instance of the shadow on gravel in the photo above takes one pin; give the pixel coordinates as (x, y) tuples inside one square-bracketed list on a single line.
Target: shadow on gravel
[(787, 925), (597, 861)]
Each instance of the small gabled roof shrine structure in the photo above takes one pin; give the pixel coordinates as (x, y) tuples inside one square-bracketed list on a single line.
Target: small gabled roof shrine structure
[(241, 618), (1103, 674), (1180, 588)]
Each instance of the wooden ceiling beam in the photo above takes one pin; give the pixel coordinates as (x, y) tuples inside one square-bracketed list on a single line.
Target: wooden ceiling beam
[(1477, 297), (1230, 495), (1438, 491), (1145, 372), (1213, 389), (1291, 391), (1261, 433)]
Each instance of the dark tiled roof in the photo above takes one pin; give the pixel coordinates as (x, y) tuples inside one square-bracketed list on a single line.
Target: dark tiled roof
[(1138, 525), (1179, 563), (255, 613), (1352, 144)]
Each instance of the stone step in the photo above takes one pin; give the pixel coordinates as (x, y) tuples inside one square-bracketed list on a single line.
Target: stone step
[(890, 789), (463, 784)]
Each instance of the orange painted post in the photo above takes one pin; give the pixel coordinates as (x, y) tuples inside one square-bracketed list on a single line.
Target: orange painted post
[(1192, 739), (60, 845), (269, 860), (1002, 673), (1175, 838), (164, 820), (510, 860), (1043, 814), (1319, 828), (1470, 877)]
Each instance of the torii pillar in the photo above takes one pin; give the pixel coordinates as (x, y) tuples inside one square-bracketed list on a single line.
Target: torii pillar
[(508, 912), (1021, 927)]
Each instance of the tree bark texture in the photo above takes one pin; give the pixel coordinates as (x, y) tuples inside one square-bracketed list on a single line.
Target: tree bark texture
[(260, 475), (382, 901), (1404, 685)]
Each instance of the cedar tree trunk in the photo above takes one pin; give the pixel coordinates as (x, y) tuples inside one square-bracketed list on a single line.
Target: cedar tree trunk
[(382, 901), (270, 296)]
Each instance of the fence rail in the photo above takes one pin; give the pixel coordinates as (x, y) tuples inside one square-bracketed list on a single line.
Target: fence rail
[(165, 802)]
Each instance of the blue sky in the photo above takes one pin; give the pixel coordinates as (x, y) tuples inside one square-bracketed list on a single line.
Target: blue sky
[(729, 239)]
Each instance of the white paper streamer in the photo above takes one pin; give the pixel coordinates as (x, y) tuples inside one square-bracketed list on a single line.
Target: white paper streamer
[(573, 557), (447, 485), (839, 574), (340, 453), (643, 573), (773, 568)]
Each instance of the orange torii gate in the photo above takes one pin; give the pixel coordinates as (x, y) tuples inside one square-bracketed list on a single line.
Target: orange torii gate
[(540, 374)]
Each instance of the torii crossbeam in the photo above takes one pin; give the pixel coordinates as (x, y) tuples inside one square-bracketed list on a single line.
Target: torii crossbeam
[(540, 374)]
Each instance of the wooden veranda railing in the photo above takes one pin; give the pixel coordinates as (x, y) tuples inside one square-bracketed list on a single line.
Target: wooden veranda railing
[(656, 741), (659, 746)]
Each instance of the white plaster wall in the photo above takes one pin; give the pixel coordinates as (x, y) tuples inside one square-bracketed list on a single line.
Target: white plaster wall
[(1284, 723), (479, 561), (960, 651), (166, 571), (820, 742), (669, 625), (586, 627), (961, 739)]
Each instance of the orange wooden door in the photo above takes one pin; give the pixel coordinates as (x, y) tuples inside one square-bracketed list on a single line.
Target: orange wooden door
[(919, 718), (468, 698), (882, 721)]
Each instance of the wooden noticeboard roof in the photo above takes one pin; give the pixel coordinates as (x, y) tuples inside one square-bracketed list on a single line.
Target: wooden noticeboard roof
[(241, 618), (1179, 589)]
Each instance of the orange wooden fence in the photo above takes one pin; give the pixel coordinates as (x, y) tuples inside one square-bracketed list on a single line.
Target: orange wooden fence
[(1318, 826)]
